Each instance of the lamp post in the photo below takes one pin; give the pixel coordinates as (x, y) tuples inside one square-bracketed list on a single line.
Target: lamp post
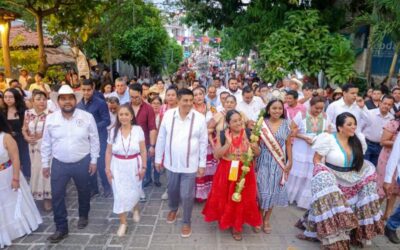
[(5, 24)]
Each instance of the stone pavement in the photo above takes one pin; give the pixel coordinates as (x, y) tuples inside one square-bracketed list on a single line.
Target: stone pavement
[(152, 232)]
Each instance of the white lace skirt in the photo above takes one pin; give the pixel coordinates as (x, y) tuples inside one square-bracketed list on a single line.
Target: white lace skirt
[(18, 212), (126, 185), (299, 184)]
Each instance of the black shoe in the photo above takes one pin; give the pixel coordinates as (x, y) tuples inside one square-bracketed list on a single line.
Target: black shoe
[(107, 193), (82, 222), (94, 194), (157, 183), (57, 237), (392, 235)]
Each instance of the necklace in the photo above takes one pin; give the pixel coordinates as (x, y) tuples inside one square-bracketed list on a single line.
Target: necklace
[(126, 150)]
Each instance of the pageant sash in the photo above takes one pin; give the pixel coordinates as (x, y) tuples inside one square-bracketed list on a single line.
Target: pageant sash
[(275, 148)]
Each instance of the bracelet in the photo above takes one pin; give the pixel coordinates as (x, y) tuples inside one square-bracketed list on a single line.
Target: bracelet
[(16, 180)]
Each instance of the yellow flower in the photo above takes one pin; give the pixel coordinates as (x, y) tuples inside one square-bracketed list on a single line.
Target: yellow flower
[(241, 183), (245, 169), (253, 138), (236, 197), (260, 121), (250, 153)]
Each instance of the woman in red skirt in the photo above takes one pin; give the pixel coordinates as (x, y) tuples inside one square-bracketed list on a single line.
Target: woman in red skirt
[(230, 147)]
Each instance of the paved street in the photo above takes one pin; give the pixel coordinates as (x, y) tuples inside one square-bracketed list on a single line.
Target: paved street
[(152, 232)]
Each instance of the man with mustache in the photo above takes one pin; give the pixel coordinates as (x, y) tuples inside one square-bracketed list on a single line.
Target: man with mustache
[(71, 143)]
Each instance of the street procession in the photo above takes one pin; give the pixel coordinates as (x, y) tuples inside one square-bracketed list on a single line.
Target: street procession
[(182, 124)]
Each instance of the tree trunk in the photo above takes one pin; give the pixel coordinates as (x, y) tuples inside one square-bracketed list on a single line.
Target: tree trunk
[(5, 35), (368, 63), (393, 65), (42, 54)]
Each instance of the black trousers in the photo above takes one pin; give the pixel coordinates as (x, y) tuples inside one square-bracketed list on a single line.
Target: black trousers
[(61, 173), (101, 169)]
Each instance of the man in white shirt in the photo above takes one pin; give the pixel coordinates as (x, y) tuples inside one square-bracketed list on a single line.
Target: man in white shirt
[(71, 143), (393, 164), (212, 98), (218, 85), (234, 90), (182, 141), (250, 105), (345, 104), (121, 91), (372, 123)]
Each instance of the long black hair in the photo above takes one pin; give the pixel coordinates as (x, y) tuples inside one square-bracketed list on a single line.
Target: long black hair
[(354, 142), (229, 115), (19, 103), (118, 123), (267, 114), (4, 126)]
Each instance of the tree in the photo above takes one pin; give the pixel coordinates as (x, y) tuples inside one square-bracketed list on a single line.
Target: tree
[(40, 9), (173, 56), (245, 27), (131, 30), (304, 44), (384, 21)]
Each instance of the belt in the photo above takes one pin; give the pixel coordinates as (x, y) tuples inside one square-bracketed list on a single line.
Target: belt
[(126, 157), (337, 168), (129, 157), (372, 142), (5, 165)]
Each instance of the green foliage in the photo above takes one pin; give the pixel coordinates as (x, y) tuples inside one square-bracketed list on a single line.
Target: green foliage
[(131, 30), (22, 58), (245, 28), (305, 44), (55, 72), (76, 28), (142, 45), (173, 57), (384, 18)]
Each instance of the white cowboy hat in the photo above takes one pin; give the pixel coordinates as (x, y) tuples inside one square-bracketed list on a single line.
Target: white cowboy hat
[(65, 90), (298, 82)]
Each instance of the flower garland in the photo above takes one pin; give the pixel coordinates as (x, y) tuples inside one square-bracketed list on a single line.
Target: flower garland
[(247, 158)]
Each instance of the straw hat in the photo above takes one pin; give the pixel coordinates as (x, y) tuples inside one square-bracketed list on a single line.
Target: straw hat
[(338, 90), (154, 90), (298, 82), (65, 90)]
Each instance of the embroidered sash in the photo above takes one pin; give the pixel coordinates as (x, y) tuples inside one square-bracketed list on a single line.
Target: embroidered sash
[(275, 148)]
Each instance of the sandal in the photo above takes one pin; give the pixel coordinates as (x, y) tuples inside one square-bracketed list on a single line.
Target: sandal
[(236, 235), (256, 229), (303, 237), (267, 228)]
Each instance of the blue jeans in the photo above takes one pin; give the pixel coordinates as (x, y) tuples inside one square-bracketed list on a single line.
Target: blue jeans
[(149, 169), (394, 220), (372, 153), (101, 169), (61, 173)]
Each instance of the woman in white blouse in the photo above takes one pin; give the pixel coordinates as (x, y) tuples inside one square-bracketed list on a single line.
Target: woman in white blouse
[(126, 165), (345, 205)]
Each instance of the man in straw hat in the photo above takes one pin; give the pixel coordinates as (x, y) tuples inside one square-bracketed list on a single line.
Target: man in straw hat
[(71, 142)]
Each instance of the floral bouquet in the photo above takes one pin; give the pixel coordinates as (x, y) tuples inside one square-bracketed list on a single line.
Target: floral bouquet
[(247, 158)]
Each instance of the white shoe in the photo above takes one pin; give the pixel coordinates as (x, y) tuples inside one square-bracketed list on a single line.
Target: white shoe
[(136, 215), (164, 196), (122, 230)]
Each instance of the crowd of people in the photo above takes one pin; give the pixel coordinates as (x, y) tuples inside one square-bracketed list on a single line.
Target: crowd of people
[(241, 148)]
